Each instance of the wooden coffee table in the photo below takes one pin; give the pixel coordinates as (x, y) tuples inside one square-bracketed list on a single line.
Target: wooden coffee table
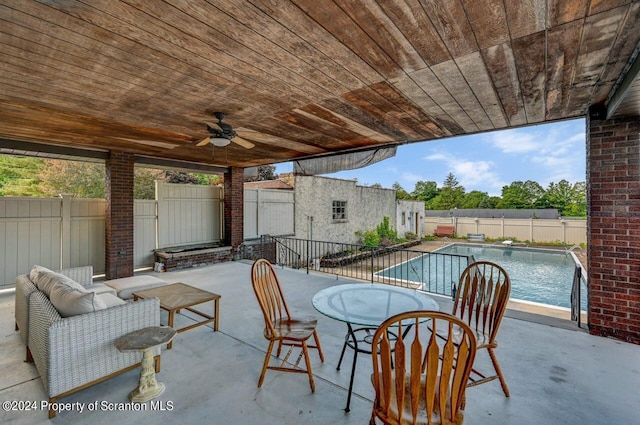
[(176, 296)]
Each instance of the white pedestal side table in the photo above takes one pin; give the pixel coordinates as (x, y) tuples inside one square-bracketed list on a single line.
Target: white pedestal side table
[(146, 340)]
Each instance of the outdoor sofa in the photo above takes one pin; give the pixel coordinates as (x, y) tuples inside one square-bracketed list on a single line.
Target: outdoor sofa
[(72, 343)]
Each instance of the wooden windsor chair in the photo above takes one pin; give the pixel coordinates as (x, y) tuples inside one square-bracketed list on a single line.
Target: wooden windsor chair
[(480, 301), (420, 377), (280, 327)]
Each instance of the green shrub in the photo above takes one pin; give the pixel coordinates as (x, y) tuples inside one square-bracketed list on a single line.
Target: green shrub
[(385, 231), (371, 238), (383, 235)]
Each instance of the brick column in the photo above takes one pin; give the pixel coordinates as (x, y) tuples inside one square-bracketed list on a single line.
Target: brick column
[(119, 216), (613, 227), (234, 208)]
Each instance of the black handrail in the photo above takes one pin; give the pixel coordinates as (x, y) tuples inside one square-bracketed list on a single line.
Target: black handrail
[(576, 295), (381, 264)]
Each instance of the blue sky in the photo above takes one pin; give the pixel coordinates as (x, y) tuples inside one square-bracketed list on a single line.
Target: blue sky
[(485, 162)]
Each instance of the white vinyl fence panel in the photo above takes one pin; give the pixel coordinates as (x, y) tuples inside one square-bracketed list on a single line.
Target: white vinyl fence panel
[(29, 234), (86, 243), (188, 214), (69, 232), (144, 232), (533, 230), (64, 232), (268, 212)]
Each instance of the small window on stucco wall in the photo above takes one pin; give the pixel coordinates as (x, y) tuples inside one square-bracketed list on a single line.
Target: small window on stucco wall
[(404, 217), (339, 210)]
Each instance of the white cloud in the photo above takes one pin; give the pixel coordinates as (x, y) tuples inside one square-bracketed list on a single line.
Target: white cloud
[(471, 174), (515, 141), (552, 149), (411, 177), (435, 157), (577, 138), (487, 162)]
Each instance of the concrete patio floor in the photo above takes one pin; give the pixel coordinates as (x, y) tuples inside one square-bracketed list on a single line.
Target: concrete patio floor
[(556, 373)]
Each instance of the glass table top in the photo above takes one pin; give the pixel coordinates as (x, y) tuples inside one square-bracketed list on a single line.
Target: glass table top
[(369, 304)]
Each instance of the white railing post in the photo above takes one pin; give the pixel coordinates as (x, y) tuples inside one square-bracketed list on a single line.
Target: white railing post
[(531, 229), (65, 230), (259, 212)]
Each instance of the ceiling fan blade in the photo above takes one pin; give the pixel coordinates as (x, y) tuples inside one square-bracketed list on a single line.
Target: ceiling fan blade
[(211, 127), (204, 141), (242, 142)]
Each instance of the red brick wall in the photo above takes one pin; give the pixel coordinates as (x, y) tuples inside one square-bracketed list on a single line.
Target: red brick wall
[(234, 207), (119, 216), (613, 227)]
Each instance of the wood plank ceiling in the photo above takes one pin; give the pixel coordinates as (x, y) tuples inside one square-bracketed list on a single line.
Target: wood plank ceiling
[(300, 78)]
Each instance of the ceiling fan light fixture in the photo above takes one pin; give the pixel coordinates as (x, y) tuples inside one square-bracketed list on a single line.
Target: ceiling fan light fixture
[(220, 141)]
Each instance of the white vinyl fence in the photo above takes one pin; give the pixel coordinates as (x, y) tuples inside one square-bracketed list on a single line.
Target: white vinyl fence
[(268, 212), (144, 232), (30, 233), (64, 232), (568, 232), (70, 232), (188, 214)]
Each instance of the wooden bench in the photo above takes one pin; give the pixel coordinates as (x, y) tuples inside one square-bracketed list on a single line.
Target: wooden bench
[(442, 230)]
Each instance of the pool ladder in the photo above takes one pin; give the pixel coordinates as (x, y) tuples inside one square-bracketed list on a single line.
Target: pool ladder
[(568, 250)]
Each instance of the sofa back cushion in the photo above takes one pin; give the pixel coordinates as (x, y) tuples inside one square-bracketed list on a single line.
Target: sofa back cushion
[(46, 279), (70, 302)]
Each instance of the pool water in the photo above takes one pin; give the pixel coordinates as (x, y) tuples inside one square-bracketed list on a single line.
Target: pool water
[(537, 275)]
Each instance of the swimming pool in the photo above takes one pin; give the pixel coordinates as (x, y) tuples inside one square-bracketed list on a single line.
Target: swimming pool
[(537, 275)]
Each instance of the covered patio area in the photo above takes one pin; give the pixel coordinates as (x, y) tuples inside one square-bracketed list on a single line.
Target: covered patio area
[(142, 84), (556, 373)]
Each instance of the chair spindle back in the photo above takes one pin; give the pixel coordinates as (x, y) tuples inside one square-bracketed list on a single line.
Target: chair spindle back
[(420, 377), (269, 293), (482, 296)]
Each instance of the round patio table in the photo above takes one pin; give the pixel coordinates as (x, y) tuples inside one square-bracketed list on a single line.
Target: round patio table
[(367, 305)]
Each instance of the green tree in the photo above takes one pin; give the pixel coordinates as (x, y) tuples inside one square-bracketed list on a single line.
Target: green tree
[(569, 199), (476, 199), (492, 202), (181, 177), (520, 195), (425, 191), (400, 192), (50, 177), (450, 196), (265, 172), (19, 176), (82, 179), (208, 179), (144, 186)]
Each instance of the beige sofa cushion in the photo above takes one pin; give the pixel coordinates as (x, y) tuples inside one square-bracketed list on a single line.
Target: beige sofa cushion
[(45, 279), (35, 272), (111, 300), (71, 302), (100, 288), (126, 286)]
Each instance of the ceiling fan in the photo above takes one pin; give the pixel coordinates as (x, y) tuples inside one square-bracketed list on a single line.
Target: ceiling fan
[(223, 134)]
